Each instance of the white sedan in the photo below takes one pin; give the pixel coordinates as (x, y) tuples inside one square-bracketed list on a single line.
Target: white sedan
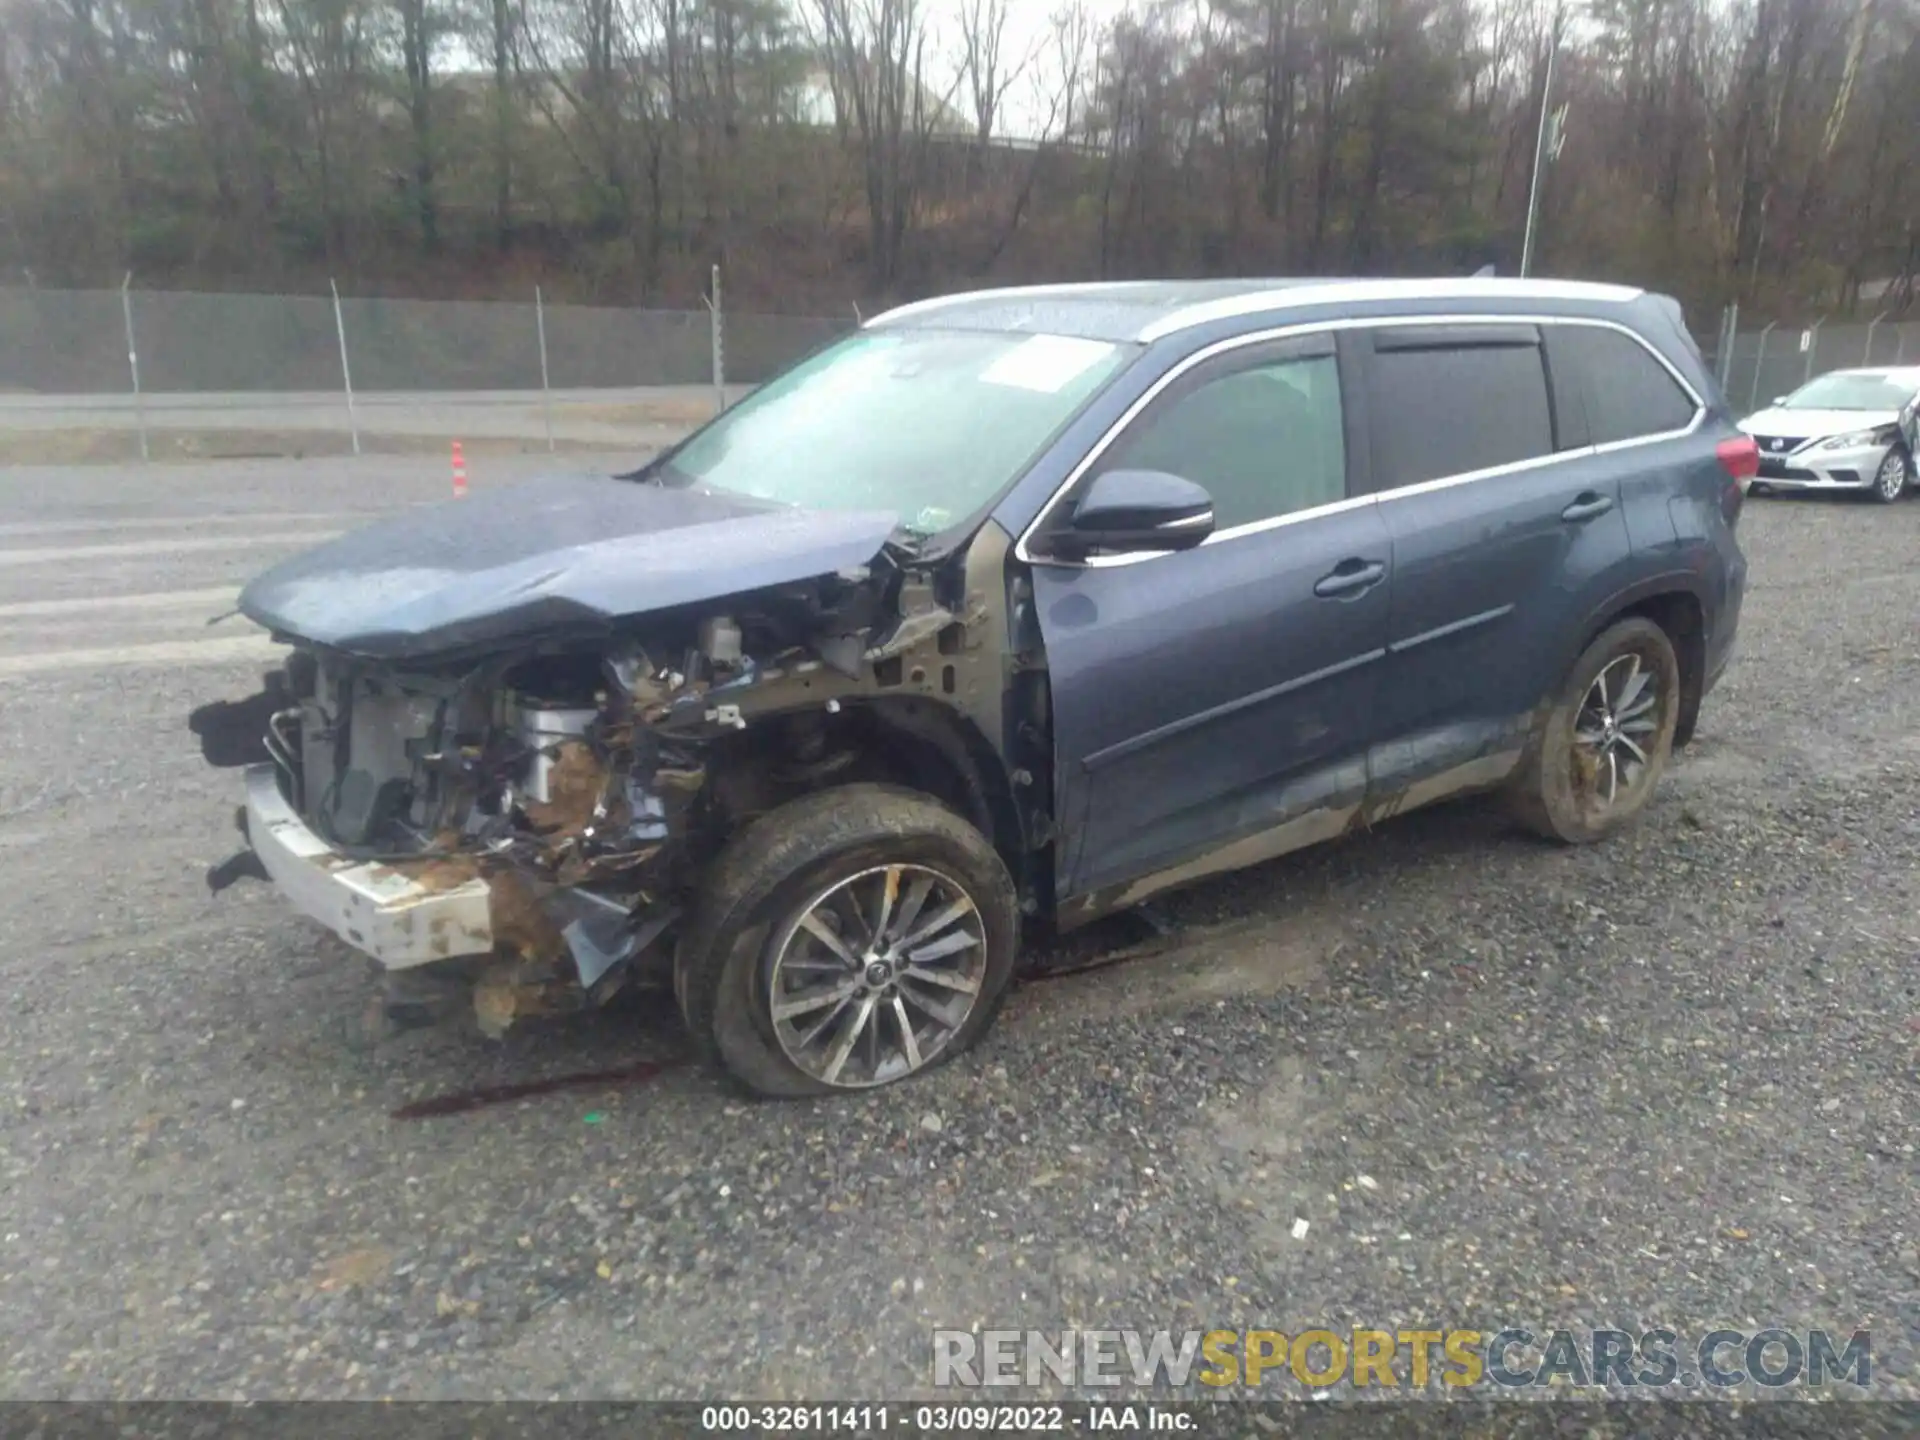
[(1847, 430)]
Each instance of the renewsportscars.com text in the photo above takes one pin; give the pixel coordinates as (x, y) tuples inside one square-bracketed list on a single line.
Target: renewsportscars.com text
[(1515, 1357)]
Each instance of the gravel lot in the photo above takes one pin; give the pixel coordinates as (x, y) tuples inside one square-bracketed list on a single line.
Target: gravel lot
[(1668, 1081)]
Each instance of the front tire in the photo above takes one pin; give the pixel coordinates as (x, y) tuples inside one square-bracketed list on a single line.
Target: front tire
[(1596, 760), (1890, 481), (849, 939)]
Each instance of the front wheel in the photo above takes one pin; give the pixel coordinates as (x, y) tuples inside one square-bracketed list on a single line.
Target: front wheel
[(847, 940), (1890, 481), (1594, 763)]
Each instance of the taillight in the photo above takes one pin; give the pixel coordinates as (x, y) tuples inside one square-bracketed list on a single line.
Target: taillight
[(1740, 458)]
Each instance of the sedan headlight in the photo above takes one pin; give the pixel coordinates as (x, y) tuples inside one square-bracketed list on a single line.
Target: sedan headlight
[(1858, 438)]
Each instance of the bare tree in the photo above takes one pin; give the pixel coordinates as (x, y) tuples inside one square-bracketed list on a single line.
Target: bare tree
[(877, 52), (329, 46), (1759, 148), (420, 30), (1056, 86), (988, 72), (504, 24)]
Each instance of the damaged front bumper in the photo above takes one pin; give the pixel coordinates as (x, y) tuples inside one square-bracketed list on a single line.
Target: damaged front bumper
[(1815, 467), (539, 817), (397, 919)]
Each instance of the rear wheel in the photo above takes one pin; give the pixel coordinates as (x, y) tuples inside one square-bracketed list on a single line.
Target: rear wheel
[(1890, 481), (847, 940), (1595, 763)]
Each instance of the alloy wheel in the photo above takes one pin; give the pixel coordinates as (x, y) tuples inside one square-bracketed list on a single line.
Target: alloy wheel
[(1891, 479), (874, 977), (1618, 719)]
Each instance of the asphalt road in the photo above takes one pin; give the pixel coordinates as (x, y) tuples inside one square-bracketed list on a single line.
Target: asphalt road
[(1670, 1081)]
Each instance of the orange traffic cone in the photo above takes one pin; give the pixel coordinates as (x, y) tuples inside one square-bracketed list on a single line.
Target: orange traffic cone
[(459, 473)]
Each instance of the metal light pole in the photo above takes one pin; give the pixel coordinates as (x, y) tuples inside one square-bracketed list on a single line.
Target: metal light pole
[(1730, 337), (1873, 325), (1813, 349), (133, 360), (1759, 364), (1540, 150), (546, 384), (346, 370), (717, 343)]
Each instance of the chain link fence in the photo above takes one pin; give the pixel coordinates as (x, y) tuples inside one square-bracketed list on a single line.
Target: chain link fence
[(1758, 361), (139, 362), (160, 359)]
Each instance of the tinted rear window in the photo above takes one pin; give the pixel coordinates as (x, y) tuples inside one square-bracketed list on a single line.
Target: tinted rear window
[(1451, 409), (1628, 393)]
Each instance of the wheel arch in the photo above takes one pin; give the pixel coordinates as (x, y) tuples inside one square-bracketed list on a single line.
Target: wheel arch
[(1673, 603), (942, 753), (915, 743)]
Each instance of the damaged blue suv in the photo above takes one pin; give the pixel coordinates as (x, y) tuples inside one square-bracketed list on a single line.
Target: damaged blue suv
[(1011, 609)]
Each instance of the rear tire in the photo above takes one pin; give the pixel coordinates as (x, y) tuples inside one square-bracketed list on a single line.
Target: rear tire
[(1597, 758), (781, 976), (1893, 477)]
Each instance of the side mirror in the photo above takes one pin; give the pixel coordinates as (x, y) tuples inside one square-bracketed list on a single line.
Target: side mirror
[(1134, 511), (1777, 401)]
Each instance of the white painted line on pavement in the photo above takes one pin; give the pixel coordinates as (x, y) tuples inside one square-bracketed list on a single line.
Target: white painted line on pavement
[(215, 601), (170, 652), (161, 547)]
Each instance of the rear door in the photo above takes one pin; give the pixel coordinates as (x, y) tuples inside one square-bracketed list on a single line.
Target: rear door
[(1225, 693), (1497, 509), (1632, 401)]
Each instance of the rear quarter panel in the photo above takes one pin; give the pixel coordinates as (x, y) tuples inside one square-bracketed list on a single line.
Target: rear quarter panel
[(1706, 542)]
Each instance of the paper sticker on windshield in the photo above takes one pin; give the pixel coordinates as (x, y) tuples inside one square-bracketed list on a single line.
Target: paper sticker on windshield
[(1046, 363)]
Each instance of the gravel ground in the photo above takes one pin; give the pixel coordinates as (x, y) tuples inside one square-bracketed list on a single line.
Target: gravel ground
[(1669, 1081)]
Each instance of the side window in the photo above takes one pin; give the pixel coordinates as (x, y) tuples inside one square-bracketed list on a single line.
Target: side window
[(1455, 406), (1264, 441), (1628, 393)]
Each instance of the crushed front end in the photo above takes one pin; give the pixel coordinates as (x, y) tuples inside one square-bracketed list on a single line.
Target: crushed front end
[(533, 821), (521, 810)]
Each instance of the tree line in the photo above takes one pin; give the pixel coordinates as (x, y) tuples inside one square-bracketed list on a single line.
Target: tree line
[(835, 152)]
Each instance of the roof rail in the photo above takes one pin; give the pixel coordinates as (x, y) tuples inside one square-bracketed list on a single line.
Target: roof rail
[(1358, 291)]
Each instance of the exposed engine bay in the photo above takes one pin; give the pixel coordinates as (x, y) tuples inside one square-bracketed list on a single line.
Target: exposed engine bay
[(589, 779)]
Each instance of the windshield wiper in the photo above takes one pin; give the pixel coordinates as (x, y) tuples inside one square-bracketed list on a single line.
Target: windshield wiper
[(909, 542), (655, 468)]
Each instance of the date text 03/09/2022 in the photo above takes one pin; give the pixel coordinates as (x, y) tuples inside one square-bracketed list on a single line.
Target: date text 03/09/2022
[(946, 1419)]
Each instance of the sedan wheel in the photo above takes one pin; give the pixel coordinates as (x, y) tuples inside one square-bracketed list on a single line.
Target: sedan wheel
[(1890, 481)]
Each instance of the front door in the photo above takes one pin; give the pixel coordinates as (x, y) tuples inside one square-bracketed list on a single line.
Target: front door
[(1215, 705)]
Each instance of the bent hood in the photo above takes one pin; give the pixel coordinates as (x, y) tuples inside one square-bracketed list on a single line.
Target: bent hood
[(1816, 424), (556, 553)]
